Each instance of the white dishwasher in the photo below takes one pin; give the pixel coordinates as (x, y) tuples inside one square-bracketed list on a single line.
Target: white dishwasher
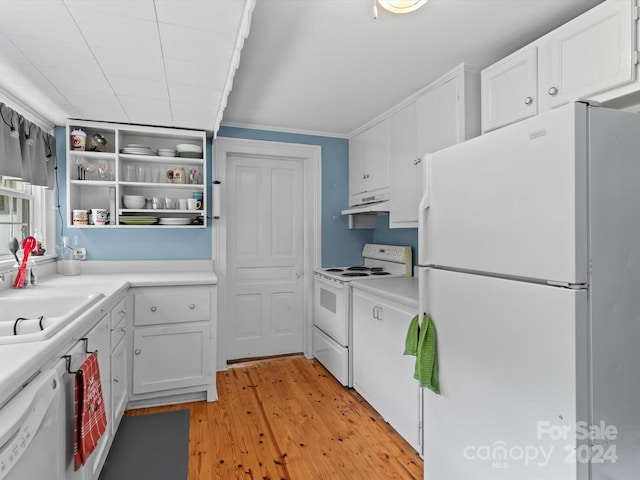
[(32, 430)]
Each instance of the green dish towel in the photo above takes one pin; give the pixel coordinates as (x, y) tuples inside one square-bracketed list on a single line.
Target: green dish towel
[(425, 351), (411, 342)]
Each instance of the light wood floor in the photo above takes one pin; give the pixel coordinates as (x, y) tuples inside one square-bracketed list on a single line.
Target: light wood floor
[(288, 418)]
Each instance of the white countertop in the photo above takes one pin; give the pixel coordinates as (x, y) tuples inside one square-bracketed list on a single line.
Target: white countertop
[(19, 362), (399, 289)]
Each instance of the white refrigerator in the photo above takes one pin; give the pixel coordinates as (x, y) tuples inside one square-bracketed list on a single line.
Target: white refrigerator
[(529, 265)]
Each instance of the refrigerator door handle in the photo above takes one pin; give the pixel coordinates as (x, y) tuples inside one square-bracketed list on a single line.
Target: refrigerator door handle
[(423, 209)]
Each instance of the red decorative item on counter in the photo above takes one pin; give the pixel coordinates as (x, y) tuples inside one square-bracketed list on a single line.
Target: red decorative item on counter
[(90, 420), (28, 244)]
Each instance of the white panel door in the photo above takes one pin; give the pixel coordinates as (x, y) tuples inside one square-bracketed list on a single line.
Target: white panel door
[(509, 90), (509, 363), (593, 53), (512, 202), (265, 258)]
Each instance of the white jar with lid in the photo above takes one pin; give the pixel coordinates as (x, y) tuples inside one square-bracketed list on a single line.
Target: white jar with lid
[(78, 139)]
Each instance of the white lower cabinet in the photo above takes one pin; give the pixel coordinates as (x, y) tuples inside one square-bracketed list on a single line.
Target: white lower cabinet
[(382, 374), (173, 351), (112, 361)]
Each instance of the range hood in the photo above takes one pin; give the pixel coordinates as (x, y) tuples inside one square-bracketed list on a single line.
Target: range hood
[(372, 208)]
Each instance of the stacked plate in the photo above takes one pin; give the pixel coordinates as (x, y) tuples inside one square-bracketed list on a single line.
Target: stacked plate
[(137, 220), (175, 221), (137, 149), (166, 152), (189, 150)]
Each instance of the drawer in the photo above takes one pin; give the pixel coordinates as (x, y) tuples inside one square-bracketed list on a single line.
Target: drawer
[(118, 313), (117, 334), (175, 306)]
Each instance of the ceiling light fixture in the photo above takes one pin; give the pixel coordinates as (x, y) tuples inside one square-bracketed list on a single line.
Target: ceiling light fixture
[(401, 6)]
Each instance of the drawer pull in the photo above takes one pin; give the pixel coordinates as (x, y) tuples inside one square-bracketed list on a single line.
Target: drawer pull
[(192, 306), (123, 330), (153, 309), (123, 313), (138, 351)]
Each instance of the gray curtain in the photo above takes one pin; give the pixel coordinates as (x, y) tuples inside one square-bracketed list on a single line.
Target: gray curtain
[(26, 151)]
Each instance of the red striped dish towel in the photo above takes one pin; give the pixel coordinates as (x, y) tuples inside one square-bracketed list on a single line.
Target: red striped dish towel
[(90, 414)]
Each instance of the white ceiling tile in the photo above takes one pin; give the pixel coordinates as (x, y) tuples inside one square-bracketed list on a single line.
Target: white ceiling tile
[(9, 53), (137, 87), (194, 73), (122, 62), (188, 115), (219, 15), (191, 44), (81, 80), (191, 94), (90, 105), (114, 31), (45, 19), (147, 110), (74, 56), (140, 9)]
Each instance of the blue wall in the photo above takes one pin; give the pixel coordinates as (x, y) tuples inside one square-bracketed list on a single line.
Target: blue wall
[(340, 246)]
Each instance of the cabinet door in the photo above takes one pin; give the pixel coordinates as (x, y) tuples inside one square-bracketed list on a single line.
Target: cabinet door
[(171, 356), (382, 374), (119, 381), (377, 157), (405, 169), (357, 168), (99, 339), (509, 90), (592, 53)]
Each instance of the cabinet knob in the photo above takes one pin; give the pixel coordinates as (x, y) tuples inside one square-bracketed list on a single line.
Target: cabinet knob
[(192, 306), (528, 101), (417, 161), (116, 380), (123, 313), (123, 330), (553, 91), (137, 351), (153, 309)]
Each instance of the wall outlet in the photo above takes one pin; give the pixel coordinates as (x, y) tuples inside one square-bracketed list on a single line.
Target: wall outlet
[(79, 253)]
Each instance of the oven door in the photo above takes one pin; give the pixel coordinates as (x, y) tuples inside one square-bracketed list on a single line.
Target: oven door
[(331, 308)]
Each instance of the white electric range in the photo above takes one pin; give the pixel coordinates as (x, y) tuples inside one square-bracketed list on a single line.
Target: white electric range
[(332, 326)]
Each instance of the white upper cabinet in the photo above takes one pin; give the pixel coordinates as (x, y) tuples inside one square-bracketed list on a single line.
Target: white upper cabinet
[(594, 52), (443, 114), (369, 164), (509, 89), (404, 166), (592, 57)]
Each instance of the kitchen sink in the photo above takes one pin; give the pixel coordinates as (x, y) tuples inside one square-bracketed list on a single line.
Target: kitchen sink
[(36, 318)]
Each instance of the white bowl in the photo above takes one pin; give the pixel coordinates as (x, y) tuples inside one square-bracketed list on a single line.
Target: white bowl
[(134, 197), (133, 204), (189, 147)]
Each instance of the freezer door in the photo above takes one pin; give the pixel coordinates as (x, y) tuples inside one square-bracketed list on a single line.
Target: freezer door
[(512, 357), (512, 202)]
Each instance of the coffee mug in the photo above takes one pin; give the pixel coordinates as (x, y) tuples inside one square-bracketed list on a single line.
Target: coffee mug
[(100, 216), (177, 175), (80, 217), (182, 204), (193, 204)]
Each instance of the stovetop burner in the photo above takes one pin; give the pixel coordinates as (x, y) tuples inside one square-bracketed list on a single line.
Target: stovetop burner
[(334, 270), (380, 272), (358, 269), (355, 274)]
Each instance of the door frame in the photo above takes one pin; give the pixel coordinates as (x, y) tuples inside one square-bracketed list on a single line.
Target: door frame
[(311, 158)]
